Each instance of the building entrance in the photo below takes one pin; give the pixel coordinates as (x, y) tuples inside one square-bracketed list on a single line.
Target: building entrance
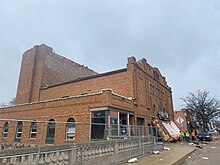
[(98, 124)]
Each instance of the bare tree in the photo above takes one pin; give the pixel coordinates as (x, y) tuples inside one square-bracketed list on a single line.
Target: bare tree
[(216, 122), (2, 105), (10, 103), (202, 106)]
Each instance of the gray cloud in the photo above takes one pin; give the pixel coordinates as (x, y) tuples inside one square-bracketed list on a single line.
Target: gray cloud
[(181, 38)]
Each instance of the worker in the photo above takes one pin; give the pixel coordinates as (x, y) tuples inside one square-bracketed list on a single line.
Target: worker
[(184, 137), (193, 135), (181, 135), (187, 137)]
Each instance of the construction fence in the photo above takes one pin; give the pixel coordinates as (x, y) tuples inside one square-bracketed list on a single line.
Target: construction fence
[(46, 142)]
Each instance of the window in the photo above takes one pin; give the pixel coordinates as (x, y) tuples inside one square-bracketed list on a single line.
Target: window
[(98, 124), (70, 129), (33, 130), (154, 108), (5, 130), (50, 132), (163, 95), (151, 88), (19, 131), (156, 76), (157, 92)]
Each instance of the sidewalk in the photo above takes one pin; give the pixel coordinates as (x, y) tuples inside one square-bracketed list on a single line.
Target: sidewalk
[(175, 156)]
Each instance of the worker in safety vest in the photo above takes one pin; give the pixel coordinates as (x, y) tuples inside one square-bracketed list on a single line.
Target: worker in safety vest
[(181, 135), (187, 137), (193, 135)]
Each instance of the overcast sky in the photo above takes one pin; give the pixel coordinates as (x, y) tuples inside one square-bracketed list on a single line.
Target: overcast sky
[(180, 37)]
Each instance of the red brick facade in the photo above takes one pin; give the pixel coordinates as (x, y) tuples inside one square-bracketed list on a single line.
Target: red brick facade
[(42, 67), (53, 87), (180, 120)]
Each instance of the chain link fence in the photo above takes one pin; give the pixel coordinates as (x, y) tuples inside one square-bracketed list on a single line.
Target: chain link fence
[(46, 142)]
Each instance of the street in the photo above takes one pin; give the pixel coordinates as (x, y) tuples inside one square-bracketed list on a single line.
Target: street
[(209, 155)]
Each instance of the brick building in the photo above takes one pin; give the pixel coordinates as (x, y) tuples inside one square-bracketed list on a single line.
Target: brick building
[(54, 89), (180, 119)]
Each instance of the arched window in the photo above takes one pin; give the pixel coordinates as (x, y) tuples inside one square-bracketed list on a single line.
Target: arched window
[(50, 132), (33, 130), (19, 131), (5, 130), (70, 129)]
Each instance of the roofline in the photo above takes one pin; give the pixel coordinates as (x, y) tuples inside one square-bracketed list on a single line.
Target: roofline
[(86, 78)]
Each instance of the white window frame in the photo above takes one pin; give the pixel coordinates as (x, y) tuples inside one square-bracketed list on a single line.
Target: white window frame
[(33, 132), (19, 132), (70, 125)]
